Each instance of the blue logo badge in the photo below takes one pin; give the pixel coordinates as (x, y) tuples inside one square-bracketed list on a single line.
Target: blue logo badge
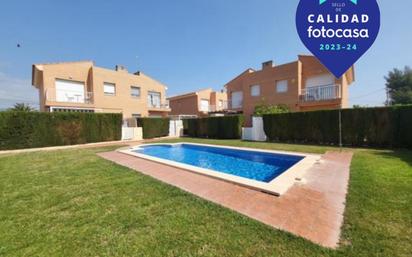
[(338, 32)]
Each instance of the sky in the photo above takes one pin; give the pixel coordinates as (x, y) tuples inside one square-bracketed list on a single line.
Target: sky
[(186, 44)]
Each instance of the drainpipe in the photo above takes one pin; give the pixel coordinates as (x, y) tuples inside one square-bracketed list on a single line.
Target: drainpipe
[(340, 127), (340, 119)]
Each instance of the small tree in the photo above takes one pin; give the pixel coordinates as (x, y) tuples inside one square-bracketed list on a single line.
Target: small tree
[(22, 107), (399, 86), (263, 108)]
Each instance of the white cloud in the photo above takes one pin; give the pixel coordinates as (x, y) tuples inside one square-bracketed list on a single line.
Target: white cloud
[(16, 90)]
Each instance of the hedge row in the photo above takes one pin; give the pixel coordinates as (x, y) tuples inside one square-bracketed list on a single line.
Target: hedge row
[(226, 127), (40, 129), (154, 127), (378, 127)]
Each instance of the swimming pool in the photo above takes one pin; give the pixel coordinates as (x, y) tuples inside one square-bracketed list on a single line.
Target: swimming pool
[(258, 166), (269, 171)]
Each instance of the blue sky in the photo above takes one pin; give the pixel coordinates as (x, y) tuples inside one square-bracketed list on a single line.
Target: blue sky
[(186, 44)]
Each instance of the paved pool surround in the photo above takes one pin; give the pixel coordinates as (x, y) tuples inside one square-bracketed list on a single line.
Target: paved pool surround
[(311, 208), (276, 186)]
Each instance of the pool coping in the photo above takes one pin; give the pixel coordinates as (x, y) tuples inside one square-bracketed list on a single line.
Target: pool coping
[(277, 186)]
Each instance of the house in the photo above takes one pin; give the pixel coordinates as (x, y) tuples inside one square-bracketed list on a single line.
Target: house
[(199, 103), (302, 85), (83, 87)]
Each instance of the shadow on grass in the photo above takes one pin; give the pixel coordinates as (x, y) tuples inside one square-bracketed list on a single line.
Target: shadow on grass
[(401, 154)]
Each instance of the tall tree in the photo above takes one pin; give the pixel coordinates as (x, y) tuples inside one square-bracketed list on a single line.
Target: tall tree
[(22, 107), (399, 86)]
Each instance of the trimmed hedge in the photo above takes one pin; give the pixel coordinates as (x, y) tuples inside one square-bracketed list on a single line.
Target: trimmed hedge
[(154, 127), (226, 127), (40, 129), (376, 127)]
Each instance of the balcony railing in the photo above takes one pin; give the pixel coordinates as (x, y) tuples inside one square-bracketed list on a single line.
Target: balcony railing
[(164, 105), (321, 93), (214, 108), (67, 96)]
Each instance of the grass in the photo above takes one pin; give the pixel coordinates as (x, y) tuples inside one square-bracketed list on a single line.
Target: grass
[(73, 203)]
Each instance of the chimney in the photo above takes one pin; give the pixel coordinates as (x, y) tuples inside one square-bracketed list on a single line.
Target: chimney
[(268, 64), (121, 68)]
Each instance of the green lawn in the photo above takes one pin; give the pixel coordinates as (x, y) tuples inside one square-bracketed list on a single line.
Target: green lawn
[(73, 203)]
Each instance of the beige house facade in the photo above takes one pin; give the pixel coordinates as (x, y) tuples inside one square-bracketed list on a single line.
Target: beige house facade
[(302, 85), (199, 103), (83, 87)]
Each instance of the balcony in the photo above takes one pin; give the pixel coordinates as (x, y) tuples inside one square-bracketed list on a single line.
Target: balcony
[(68, 96), (321, 93), (157, 106), (214, 108)]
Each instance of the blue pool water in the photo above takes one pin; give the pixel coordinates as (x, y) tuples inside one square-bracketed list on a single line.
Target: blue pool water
[(258, 166)]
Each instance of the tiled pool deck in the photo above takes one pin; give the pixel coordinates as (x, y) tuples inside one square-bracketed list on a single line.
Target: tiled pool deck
[(312, 209)]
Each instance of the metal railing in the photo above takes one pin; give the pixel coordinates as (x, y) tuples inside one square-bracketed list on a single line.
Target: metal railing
[(67, 96), (164, 105), (321, 93), (182, 117), (214, 108)]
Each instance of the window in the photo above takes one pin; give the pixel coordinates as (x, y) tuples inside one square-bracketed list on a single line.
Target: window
[(153, 99), (255, 90), (220, 103), (237, 99), (321, 80), (69, 91), (204, 105), (135, 91), (281, 86), (68, 109), (136, 115), (109, 88)]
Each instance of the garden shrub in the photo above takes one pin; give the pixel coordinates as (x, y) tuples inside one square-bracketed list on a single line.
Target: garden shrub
[(264, 108), (403, 133), (377, 127), (185, 126), (225, 127), (40, 129), (192, 127), (70, 131), (154, 127)]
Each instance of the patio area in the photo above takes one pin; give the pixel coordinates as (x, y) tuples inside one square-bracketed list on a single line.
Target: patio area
[(312, 208)]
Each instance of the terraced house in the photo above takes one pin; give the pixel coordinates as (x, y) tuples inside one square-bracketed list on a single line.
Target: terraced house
[(302, 85), (83, 87), (198, 103)]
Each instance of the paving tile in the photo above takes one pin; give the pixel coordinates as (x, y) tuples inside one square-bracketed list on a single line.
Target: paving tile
[(312, 209)]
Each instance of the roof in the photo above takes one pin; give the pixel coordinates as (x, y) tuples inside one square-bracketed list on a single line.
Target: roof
[(39, 67), (147, 76), (247, 71), (36, 68), (56, 63), (349, 74)]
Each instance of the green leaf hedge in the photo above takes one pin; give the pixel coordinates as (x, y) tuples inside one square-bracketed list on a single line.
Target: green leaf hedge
[(20, 130), (225, 127), (375, 127), (154, 127)]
